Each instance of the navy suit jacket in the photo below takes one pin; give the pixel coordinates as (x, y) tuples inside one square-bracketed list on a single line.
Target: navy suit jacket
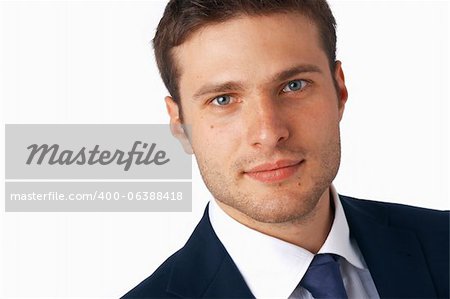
[(405, 248)]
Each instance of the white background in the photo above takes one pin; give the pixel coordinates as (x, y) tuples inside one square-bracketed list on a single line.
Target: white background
[(92, 62)]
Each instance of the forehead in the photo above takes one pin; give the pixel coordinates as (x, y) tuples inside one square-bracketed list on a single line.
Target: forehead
[(248, 47)]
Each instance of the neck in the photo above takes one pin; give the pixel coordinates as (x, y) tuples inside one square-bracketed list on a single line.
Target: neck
[(310, 232)]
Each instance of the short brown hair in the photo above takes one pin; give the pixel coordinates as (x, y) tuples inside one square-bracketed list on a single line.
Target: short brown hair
[(183, 17)]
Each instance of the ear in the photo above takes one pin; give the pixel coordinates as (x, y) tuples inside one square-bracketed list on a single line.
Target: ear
[(342, 89), (176, 126)]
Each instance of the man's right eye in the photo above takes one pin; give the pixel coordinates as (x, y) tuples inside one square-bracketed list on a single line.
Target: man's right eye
[(222, 100)]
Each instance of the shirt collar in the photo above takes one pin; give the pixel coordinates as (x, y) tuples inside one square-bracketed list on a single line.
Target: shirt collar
[(338, 240), (262, 259)]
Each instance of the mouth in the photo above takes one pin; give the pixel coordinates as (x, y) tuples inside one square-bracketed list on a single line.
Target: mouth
[(274, 172)]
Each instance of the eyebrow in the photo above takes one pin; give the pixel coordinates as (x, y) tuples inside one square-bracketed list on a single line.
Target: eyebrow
[(219, 88), (299, 69), (238, 86)]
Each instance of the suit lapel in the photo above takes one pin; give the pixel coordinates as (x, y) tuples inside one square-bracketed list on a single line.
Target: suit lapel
[(393, 256), (204, 269)]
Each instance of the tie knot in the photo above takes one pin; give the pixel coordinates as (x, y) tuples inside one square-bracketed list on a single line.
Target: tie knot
[(323, 258), (323, 278)]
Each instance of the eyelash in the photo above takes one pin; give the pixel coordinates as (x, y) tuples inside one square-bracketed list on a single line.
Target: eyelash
[(215, 98), (306, 83)]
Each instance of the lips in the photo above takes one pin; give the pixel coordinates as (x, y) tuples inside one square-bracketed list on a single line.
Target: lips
[(274, 172)]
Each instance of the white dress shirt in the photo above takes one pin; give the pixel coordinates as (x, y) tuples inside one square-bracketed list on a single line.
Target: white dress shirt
[(273, 268)]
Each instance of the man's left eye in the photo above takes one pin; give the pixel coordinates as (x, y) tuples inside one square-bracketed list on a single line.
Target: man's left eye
[(295, 85)]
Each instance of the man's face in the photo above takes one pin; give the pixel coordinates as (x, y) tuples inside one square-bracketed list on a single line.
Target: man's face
[(264, 113)]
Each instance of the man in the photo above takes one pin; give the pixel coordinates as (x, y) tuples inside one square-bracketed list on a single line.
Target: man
[(258, 85)]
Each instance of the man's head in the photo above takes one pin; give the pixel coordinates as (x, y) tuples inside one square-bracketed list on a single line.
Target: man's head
[(259, 94), (182, 18)]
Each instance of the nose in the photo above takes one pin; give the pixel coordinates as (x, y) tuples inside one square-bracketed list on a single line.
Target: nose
[(266, 124)]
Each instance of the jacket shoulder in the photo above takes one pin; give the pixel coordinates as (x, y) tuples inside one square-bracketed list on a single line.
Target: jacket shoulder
[(429, 227), (402, 216)]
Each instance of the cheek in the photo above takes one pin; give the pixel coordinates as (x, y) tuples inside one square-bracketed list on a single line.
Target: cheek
[(214, 143), (320, 124)]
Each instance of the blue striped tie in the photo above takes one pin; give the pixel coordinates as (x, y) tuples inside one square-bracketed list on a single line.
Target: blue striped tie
[(323, 278)]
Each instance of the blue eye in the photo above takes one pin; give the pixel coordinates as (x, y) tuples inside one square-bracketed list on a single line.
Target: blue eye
[(222, 100), (295, 85)]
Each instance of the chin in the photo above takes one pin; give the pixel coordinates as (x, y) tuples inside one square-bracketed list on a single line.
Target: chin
[(277, 209)]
